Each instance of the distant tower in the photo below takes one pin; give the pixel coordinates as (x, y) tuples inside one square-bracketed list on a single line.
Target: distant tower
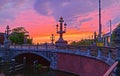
[(110, 32), (60, 30), (52, 38), (100, 25)]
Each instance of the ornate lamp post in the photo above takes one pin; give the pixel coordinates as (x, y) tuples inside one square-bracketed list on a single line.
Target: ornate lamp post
[(7, 31), (52, 38), (95, 38), (6, 35), (61, 31)]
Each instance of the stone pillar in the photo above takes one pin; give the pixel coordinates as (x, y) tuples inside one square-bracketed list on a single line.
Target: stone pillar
[(53, 64), (89, 51), (109, 55), (99, 53)]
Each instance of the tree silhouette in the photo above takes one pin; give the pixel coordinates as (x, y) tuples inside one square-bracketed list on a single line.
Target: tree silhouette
[(18, 35)]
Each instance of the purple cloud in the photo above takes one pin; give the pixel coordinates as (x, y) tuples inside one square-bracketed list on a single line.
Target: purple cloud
[(67, 8)]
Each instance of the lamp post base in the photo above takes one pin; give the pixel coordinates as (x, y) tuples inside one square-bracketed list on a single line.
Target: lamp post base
[(61, 43)]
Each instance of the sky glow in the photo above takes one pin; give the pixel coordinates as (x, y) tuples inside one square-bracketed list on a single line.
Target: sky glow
[(39, 17)]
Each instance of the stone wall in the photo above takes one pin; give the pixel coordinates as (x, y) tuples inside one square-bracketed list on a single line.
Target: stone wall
[(81, 65)]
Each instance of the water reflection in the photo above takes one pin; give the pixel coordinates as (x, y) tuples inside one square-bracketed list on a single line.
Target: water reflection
[(2, 74), (31, 72)]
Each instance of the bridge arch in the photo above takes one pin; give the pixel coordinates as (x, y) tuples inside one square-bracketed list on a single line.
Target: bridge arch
[(31, 57)]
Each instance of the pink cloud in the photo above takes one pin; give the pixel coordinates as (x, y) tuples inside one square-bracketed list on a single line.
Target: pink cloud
[(36, 24)]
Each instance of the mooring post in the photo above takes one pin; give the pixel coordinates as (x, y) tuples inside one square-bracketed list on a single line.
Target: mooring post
[(24, 61), (13, 65)]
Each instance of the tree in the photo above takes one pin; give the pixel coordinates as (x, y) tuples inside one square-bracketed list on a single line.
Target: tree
[(18, 34), (83, 42), (113, 37)]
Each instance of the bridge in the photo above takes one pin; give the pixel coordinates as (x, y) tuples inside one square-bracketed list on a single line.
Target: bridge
[(81, 60)]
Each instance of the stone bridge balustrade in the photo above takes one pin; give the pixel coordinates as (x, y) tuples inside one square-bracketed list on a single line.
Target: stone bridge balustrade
[(32, 47), (106, 54), (51, 53)]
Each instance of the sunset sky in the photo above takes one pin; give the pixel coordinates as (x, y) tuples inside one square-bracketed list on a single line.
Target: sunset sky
[(40, 17)]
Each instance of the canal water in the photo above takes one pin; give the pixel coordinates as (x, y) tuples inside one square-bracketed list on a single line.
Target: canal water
[(28, 71)]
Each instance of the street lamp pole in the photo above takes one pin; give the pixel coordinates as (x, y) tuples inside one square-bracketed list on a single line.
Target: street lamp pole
[(110, 32), (100, 25), (52, 38)]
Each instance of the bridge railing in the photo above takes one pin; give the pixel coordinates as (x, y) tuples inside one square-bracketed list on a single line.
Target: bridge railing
[(107, 54), (103, 53), (32, 47), (1, 46)]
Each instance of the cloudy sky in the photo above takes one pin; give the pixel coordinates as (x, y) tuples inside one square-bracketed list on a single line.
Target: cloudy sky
[(39, 17)]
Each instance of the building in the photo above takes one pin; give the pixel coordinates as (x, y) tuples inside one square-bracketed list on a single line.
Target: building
[(106, 39)]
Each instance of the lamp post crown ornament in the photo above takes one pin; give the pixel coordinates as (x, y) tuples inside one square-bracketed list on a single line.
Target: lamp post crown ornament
[(61, 19)]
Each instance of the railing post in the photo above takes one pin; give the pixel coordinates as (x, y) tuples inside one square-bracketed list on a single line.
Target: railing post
[(37, 47), (15, 46), (78, 50), (109, 55), (56, 48), (99, 53), (89, 51), (67, 48)]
